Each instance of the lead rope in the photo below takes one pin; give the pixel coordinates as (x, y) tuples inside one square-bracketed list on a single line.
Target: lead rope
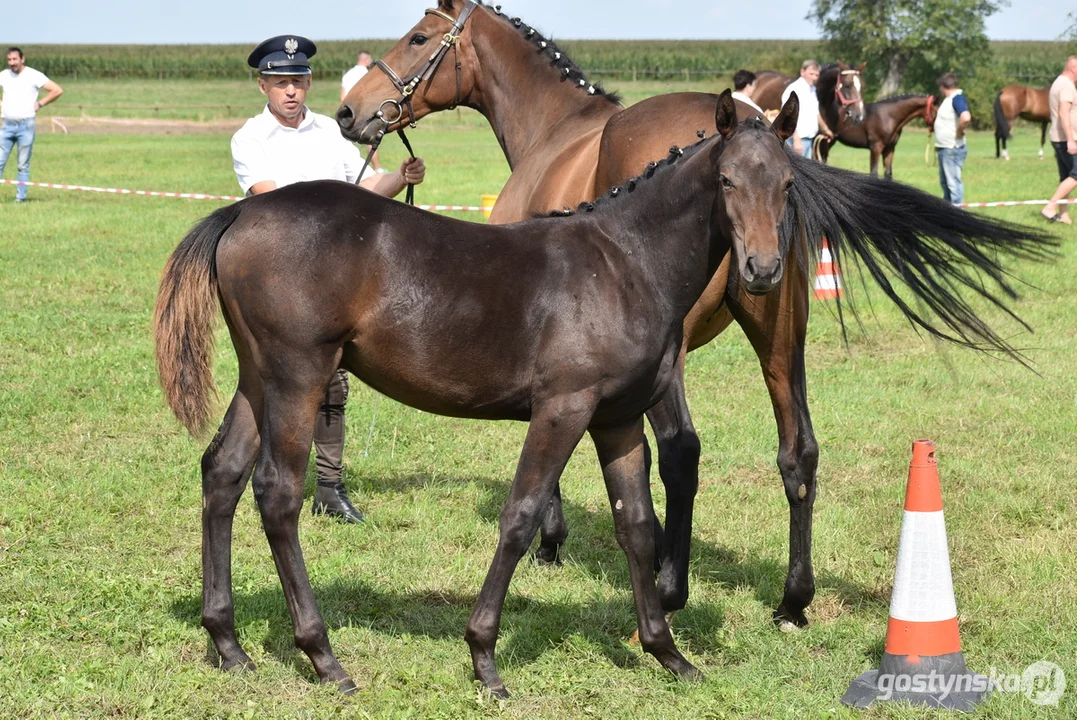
[(409, 197)]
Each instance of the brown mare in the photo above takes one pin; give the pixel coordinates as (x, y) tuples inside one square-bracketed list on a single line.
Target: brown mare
[(881, 129), (839, 90), (574, 324), (567, 141), (1014, 101)]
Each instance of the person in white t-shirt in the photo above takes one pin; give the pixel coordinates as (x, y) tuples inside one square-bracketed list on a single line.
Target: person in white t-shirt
[(288, 143), (21, 86), (809, 122), (744, 88), (353, 76)]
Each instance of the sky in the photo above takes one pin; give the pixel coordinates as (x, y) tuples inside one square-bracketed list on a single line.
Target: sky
[(202, 21)]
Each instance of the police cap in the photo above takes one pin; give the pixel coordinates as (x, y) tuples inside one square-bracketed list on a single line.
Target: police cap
[(283, 55)]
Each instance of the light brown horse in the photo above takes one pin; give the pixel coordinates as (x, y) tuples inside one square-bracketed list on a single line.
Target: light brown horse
[(567, 141), (1020, 101)]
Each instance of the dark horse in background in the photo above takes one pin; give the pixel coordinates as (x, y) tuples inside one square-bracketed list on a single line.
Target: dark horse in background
[(573, 324), (880, 130), (568, 141), (1020, 101), (839, 89)]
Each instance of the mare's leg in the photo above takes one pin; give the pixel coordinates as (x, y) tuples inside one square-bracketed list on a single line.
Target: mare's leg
[(226, 465), (622, 455), (678, 465), (554, 531), (888, 162), (291, 401), (876, 153), (775, 325), (555, 429)]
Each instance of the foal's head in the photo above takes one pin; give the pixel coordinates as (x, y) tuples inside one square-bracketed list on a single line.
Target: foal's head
[(437, 54), (754, 177)]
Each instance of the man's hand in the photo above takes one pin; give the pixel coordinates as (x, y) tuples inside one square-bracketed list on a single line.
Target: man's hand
[(798, 145), (1071, 147), (413, 170)]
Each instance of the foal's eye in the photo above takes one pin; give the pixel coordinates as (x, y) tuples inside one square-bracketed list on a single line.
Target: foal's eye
[(725, 182), (788, 186), (418, 39)]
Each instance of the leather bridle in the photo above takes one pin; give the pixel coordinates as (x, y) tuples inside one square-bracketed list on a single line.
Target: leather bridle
[(406, 86), (842, 100)]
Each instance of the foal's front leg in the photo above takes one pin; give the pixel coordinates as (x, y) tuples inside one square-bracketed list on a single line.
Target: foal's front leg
[(623, 457), (555, 429)]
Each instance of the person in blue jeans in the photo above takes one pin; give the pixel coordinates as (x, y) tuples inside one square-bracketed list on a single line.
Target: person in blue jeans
[(951, 120), (21, 86)]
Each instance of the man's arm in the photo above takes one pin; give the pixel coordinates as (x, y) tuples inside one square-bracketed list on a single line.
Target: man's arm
[(824, 128), (54, 91), (262, 187), (1069, 133), (412, 172)]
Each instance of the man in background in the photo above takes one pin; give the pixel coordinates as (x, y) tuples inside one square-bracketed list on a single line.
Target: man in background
[(288, 143), (352, 76), (951, 120), (744, 87), (809, 121), (21, 86), (1062, 98)]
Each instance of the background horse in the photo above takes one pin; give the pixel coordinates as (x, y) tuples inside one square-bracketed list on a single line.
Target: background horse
[(839, 90), (880, 130), (567, 141), (1028, 103), (573, 324)]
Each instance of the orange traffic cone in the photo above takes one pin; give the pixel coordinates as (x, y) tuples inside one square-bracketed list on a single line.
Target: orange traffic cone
[(827, 279), (922, 663)]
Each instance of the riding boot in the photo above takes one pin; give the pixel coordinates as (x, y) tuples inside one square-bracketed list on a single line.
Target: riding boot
[(331, 498)]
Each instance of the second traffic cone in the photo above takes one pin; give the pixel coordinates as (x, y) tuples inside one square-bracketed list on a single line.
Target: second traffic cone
[(827, 279), (922, 663)]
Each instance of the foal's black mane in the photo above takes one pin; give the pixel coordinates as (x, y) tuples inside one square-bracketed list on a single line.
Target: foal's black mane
[(569, 70)]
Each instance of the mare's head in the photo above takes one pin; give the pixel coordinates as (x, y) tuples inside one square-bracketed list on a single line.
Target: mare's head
[(848, 92), (431, 68), (754, 177)]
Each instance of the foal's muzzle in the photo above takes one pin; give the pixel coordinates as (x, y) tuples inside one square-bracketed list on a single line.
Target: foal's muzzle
[(761, 274)]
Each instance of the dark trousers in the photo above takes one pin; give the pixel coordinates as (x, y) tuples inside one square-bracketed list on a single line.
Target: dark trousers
[(329, 430)]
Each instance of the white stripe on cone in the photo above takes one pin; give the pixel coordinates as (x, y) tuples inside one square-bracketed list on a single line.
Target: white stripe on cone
[(923, 586)]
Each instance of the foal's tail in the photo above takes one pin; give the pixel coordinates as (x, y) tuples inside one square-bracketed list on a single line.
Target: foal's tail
[(1002, 125), (184, 319), (937, 251)]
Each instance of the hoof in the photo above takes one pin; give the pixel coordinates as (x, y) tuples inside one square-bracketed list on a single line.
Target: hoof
[(238, 667), (347, 687), (684, 670), (498, 691), (548, 556), (788, 621)]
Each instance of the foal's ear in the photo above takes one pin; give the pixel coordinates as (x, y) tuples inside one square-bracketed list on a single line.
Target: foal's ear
[(725, 116), (861, 66), (445, 4), (842, 66), (786, 122)]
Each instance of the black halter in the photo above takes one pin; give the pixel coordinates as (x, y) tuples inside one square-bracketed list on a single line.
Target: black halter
[(407, 86)]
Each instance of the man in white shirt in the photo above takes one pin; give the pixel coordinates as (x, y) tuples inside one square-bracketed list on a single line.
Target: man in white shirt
[(351, 77), (288, 143), (355, 74), (743, 87), (21, 86), (1062, 99), (809, 122)]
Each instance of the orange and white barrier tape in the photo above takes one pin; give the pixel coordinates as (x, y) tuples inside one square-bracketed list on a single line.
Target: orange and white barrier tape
[(198, 196), (1013, 203)]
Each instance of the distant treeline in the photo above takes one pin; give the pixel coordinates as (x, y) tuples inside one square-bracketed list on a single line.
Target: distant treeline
[(1031, 62)]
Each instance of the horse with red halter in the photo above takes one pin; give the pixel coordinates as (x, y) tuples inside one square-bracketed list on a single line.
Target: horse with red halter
[(880, 130), (568, 141), (573, 324), (1020, 101), (838, 88)]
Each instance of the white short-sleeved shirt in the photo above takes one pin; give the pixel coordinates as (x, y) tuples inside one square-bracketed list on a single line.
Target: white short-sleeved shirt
[(20, 93), (1062, 89), (263, 149), (747, 101), (351, 77), (808, 119)]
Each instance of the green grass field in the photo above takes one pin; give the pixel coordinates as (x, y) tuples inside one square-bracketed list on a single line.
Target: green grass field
[(100, 532)]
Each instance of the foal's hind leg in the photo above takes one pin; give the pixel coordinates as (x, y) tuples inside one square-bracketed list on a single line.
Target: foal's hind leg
[(553, 434), (554, 531), (678, 465), (291, 404), (226, 465), (621, 453), (775, 325)]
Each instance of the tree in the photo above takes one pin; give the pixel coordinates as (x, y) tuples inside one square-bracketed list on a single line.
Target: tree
[(1070, 33), (921, 38)]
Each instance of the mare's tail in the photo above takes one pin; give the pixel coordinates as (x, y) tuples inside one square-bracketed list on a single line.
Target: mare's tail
[(936, 250), (184, 319), (1002, 125)]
